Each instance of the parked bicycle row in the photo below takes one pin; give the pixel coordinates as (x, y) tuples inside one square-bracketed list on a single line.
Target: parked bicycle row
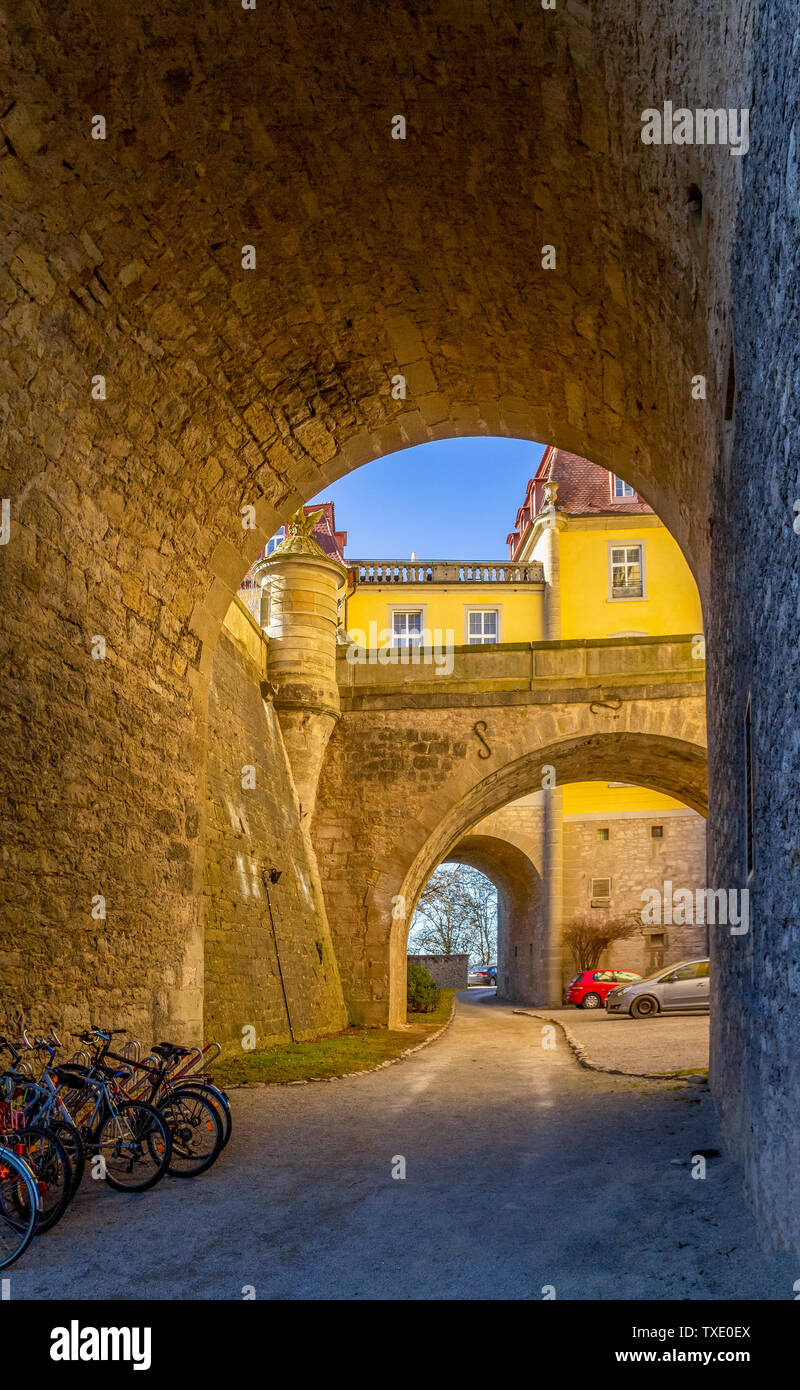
[(129, 1119)]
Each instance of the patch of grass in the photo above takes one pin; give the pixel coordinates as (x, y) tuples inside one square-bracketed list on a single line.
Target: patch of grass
[(355, 1049)]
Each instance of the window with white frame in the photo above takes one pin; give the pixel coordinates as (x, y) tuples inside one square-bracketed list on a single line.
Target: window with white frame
[(483, 626), (407, 627), (280, 535), (620, 489), (626, 563)]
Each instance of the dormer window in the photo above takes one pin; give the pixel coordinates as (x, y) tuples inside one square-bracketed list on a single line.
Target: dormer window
[(620, 489)]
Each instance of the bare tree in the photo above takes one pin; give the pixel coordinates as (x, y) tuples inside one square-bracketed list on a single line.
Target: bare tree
[(588, 937), (482, 896), (456, 915)]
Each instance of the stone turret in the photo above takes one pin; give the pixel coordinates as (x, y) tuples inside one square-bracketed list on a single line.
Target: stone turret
[(303, 585)]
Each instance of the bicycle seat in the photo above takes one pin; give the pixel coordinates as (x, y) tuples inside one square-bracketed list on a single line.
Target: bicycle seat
[(71, 1076), (165, 1049)]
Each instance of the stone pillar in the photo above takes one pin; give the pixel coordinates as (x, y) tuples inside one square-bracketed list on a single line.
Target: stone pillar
[(303, 585), (553, 845), (551, 560), (553, 875)]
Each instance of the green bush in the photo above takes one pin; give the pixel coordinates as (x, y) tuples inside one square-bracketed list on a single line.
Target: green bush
[(423, 991)]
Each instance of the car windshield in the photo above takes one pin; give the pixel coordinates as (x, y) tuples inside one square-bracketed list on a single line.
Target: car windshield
[(668, 969), (659, 974)]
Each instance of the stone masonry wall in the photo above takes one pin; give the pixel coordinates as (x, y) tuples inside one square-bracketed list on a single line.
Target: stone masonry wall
[(634, 861), (122, 258), (400, 788), (449, 972), (753, 650), (631, 857), (249, 831)]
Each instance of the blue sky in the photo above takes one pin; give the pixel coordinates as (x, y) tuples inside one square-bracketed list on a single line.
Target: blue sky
[(455, 499)]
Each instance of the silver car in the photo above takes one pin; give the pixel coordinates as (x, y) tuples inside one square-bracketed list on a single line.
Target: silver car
[(680, 986)]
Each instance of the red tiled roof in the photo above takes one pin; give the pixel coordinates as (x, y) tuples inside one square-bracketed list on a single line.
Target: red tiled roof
[(584, 489), (327, 537)]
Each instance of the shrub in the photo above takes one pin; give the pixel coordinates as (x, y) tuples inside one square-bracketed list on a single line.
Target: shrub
[(423, 991), (588, 936)]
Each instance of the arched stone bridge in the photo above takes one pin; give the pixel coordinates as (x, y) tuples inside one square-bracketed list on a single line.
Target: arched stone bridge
[(419, 758)]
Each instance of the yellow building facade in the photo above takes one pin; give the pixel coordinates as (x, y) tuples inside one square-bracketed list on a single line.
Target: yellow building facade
[(612, 570), (594, 550), (587, 559), (395, 603)]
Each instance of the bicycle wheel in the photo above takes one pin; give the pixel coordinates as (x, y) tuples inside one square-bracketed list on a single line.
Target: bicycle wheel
[(70, 1137), (135, 1145), (47, 1158), (19, 1207), (195, 1130), (220, 1102)]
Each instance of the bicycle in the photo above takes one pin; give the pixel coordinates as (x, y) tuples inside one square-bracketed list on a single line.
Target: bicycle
[(130, 1137), (188, 1076), (48, 1109), (19, 1206), (196, 1129), (36, 1143)]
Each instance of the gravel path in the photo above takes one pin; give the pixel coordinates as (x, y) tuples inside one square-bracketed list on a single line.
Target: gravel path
[(522, 1170), (637, 1046)]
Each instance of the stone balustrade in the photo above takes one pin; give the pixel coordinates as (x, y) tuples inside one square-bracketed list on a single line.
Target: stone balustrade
[(444, 572)]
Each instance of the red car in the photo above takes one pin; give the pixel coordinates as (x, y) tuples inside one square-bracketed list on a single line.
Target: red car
[(589, 989)]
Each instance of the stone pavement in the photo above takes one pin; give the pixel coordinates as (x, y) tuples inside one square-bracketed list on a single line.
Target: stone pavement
[(636, 1046), (522, 1170)]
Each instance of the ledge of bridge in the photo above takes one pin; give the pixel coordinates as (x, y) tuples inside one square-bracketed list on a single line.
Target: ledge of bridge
[(522, 672)]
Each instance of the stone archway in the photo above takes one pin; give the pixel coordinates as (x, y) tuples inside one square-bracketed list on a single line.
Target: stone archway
[(226, 388), (521, 948), (371, 894)]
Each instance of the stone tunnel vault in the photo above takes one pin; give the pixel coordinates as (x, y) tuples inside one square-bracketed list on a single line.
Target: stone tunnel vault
[(671, 765), (228, 387), (521, 947)]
